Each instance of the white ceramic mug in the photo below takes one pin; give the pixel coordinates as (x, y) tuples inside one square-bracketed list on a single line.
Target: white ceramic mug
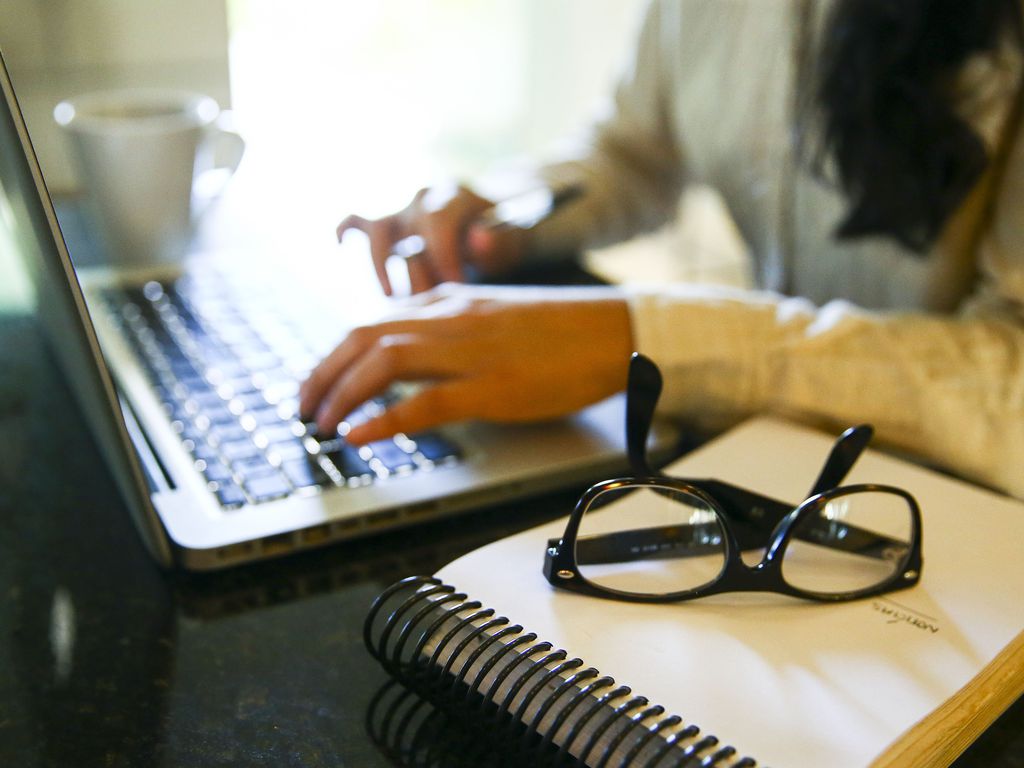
[(140, 155)]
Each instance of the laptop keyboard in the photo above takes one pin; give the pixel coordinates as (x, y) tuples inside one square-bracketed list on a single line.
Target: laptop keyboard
[(229, 384)]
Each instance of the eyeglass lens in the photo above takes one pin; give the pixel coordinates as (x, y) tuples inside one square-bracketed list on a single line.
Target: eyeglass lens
[(649, 540), (855, 541)]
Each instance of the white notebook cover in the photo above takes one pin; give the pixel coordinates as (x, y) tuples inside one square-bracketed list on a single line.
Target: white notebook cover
[(794, 683)]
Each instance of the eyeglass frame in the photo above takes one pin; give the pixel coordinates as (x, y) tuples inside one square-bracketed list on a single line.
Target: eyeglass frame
[(726, 501)]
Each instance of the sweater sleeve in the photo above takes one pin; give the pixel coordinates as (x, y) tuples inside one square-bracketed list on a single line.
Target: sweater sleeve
[(628, 163), (947, 389)]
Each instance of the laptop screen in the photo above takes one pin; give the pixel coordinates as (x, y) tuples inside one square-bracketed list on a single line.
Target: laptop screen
[(61, 310)]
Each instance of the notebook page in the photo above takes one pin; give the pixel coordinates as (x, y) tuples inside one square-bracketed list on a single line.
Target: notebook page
[(789, 682)]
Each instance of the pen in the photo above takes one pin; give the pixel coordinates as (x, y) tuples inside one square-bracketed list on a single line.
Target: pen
[(525, 210), (529, 208)]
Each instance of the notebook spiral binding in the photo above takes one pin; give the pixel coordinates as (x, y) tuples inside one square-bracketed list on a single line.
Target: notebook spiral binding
[(479, 688)]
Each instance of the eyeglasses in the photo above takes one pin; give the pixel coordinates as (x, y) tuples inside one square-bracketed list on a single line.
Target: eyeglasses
[(654, 538)]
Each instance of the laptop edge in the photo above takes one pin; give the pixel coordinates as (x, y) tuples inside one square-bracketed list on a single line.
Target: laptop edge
[(63, 313)]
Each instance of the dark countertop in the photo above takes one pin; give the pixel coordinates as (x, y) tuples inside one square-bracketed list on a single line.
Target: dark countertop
[(107, 661)]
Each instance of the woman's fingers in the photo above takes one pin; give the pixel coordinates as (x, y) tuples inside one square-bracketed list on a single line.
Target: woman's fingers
[(426, 322), (440, 217), (442, 403), (382, 235), (391, 358), (495, 250), (421, 274), (384, 232), (351, 222), (444, 226), (500, 354)]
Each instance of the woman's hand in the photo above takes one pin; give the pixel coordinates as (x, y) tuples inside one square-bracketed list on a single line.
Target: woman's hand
[(499, 354), (446, 239)]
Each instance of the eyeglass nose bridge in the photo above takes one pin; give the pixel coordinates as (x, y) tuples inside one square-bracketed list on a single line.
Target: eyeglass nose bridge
[(765, 575)]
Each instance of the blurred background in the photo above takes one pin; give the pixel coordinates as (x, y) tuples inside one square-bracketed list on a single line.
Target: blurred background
[(346, 105)]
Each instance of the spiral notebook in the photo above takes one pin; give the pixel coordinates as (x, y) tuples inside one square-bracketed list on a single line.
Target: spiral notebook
[(736, 680)]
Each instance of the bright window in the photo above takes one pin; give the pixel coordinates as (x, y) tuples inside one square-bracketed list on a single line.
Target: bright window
[(349, 105)]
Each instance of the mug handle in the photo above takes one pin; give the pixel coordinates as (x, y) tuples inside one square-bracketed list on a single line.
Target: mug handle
[(218, 157)]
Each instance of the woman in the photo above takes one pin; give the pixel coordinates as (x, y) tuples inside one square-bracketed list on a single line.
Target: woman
[(868, 151)]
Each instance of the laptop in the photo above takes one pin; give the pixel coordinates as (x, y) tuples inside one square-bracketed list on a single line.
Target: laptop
[(188, 379)]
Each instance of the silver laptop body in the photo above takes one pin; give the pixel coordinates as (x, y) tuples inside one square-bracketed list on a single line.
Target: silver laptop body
[(160, 457)]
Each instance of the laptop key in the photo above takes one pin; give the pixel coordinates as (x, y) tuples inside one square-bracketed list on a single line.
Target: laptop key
[(253, 466), (288, 408), (305, 473), (183, 369), (229, 495), (391, 456), (215, 471), (228, 433), (267, 487), (288, 450), (177, 412), (220, 415), (194, 383), (204, 452), (241, 385), (226, 368), (260, 361), (436, 448), (281, 433), (348, 461), (236, 450), (207, 400), (250, 401), (267, 415)]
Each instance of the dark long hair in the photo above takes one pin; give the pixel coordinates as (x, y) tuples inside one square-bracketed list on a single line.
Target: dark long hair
[(882, 91)]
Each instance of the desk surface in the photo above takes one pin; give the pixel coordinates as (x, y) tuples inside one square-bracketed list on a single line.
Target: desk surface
[(105, 660)]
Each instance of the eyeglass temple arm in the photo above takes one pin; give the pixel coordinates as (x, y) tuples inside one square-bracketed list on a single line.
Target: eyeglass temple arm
[(753, 517), (675, 541), (756, 514), (844, 455), (642, 391)]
